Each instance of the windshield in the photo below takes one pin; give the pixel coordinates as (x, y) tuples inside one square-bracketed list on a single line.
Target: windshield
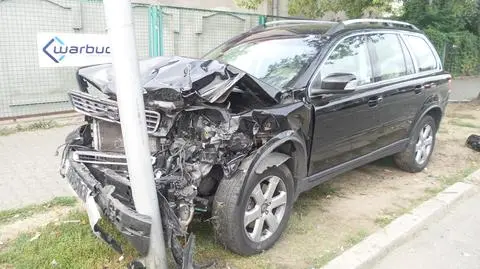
[(275, 61)]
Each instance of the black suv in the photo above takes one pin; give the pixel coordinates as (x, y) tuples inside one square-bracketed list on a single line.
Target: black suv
[(273, 112)]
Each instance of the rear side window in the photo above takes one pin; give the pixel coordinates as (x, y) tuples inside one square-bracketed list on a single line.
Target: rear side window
[(349, 57), (389, 58), (422, 52)]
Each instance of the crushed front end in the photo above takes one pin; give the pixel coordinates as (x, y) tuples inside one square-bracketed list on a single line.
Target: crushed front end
[(201, 124)]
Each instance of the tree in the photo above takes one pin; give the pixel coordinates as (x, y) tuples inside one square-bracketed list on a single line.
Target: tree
[(453, 27), (316, 8)]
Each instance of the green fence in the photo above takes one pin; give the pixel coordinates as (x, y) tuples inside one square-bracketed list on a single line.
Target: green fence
[(26, 89)]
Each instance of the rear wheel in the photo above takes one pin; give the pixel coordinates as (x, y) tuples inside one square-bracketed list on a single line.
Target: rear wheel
[(252, 221), (420, 147)]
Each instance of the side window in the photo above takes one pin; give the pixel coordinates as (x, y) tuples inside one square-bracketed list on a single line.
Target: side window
[(408, 58), (389, 58), (350, 56), (422, 52)]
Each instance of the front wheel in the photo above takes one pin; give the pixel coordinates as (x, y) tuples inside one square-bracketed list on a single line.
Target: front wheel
[(251, 222), (420, 147)]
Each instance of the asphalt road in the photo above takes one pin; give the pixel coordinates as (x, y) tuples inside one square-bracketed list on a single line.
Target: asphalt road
[(453, 242), (29, 168), (465, 89)]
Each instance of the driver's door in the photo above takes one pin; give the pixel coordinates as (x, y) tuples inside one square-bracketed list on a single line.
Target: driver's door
[(346, 125)]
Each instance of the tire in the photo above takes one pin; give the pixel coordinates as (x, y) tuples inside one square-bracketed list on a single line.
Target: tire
[(409, 159), (229, 217)]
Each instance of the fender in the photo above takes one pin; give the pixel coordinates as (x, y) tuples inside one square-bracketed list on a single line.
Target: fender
[(425, 112), (257, 162)]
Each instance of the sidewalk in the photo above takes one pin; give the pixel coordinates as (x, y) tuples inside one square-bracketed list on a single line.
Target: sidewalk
[(452, 242), (29, 167), (465, 89)]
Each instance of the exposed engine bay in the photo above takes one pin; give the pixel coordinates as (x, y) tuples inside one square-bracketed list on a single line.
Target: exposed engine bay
[(202, 125)]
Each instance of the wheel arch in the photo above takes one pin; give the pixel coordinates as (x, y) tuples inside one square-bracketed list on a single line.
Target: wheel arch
[(436, 112), (287, 147)]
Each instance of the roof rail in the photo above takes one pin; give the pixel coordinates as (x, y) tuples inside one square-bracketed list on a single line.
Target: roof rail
[(280, 22), (390, 23)]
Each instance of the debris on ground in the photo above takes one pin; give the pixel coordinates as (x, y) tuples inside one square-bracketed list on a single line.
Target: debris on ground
[(473, 142), (35, 237)]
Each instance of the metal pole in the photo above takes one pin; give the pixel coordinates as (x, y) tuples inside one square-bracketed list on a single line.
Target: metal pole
[(118, 15)]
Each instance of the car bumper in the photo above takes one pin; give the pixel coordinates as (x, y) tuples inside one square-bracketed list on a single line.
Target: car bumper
[(100, 203)]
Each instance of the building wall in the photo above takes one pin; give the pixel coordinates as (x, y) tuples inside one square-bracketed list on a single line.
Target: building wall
[(27, 89), (225, 5)]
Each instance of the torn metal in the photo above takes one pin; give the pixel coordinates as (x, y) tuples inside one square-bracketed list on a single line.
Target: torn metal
[(205, 120)]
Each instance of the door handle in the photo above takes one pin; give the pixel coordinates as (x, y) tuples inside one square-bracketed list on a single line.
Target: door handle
[(373, 101), (418, 89)]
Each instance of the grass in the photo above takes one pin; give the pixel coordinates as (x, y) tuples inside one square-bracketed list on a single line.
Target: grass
[(445, 181), (461, 116), (349, 241), (208, 249), (65, 245), (463, 123), (388, 216), (312, 197), (38, 125), (7, 216)]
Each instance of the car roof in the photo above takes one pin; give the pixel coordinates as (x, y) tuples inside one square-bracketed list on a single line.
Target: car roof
[(328, 28)]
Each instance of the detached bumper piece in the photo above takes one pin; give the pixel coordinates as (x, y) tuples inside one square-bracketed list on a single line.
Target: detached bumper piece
[(109, 198), (134, 226)]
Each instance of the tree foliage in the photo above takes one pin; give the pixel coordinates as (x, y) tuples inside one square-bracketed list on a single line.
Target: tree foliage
[(316, 8), (454, 28), (452, 25)]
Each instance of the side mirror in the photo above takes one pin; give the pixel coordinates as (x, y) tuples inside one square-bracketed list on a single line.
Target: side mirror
[(336, 83)]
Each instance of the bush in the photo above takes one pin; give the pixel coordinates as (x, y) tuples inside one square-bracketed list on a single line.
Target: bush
[(462, 50)]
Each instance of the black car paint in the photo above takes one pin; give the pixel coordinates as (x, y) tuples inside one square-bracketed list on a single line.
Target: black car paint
[(322, 136), (370, 123)]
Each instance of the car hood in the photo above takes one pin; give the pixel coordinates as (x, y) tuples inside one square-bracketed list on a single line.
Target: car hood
[(187, 78)]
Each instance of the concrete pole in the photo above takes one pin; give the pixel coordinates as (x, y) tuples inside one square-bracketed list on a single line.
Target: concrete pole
[(118, 15)]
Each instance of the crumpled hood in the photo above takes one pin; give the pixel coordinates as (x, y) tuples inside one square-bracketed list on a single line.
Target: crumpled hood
[(210, 80)]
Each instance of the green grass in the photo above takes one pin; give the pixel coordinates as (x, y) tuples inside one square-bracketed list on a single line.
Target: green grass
[(207, 249), (7, 216), (70, 244), (38, 125), (446, 181), (463, 123), (389, 215)]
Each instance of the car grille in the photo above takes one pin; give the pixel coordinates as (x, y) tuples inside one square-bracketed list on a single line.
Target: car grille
[(95, 157), (107, 110), (99, 158)]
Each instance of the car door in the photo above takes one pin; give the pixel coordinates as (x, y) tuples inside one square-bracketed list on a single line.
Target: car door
[(401, 92), (345, 124)]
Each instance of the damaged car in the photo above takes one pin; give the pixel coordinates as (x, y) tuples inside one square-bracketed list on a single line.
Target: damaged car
[(271, 113)]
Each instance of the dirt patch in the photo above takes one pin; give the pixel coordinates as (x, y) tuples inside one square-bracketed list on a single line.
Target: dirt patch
[(332, 217), (12, 230)]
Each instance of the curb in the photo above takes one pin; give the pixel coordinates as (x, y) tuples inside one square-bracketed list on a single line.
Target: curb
[(376, 246)]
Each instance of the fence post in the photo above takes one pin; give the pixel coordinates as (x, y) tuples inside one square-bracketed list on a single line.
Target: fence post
[(444, 52), (155, 39), (160, 30), (262, 19)]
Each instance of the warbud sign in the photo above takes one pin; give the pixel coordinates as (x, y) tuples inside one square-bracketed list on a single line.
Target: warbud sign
[(67, 49)]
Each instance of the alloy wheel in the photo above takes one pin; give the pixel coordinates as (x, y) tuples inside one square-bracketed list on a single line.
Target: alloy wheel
[(424, 144), (265, 208)]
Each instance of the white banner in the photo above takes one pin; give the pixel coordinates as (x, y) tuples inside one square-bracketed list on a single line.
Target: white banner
[(67, 49)]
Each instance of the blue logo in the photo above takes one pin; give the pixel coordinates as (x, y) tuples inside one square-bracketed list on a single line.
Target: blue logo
[(51, 42), (56, 49)]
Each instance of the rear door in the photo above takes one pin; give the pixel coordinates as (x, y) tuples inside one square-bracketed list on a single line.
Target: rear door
[(345, 124), (402, 93)]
